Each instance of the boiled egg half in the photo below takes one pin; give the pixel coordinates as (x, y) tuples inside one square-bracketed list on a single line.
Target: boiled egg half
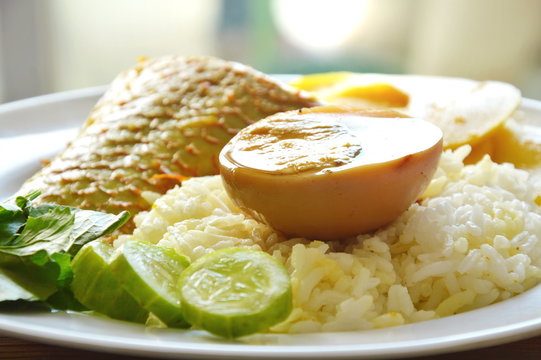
[(330, 172)]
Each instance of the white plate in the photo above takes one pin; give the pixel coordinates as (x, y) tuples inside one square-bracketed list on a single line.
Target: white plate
[(37, 128)]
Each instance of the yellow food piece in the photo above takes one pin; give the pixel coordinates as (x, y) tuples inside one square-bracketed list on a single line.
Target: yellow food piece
[(330, 172), (467, 111), (315, 82), (510, 143), (348, 89), (379, 93)]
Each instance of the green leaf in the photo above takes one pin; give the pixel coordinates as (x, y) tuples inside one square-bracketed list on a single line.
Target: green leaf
[(50, 231), (65, 273), (13, 214), (10, 290), (37, 244), (62, 229), (12, 218), (63, 299), (40, 277), (90, 225), (38, 280)]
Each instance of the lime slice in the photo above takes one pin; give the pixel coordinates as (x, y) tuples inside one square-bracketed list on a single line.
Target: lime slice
[(150, 274), (95, 286), (235, 292)]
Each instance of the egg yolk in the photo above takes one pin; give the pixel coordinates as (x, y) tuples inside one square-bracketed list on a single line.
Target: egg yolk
[(330, 172)]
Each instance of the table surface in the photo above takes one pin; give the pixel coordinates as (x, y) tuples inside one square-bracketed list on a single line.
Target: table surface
[(16, 349)]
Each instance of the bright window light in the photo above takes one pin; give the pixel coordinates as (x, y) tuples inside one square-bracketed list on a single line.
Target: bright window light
[(318, 25)]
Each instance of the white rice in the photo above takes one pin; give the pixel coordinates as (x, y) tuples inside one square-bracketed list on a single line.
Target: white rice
[(473, 240)]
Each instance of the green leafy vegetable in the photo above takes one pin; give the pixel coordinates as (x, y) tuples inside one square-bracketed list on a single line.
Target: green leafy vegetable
[(12, 216), (37, 243), (12, 291)]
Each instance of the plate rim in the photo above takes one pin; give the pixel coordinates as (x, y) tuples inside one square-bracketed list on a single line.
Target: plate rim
[(481, 338)]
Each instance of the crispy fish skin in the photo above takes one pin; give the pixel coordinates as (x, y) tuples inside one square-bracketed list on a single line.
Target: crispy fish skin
[(161, 121)]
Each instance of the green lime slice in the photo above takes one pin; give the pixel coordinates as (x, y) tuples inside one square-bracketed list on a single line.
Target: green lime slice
[(150, 274), (95, 286), (235, 292)]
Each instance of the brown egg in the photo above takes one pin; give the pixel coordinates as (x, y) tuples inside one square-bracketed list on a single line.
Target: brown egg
[(330, 172)]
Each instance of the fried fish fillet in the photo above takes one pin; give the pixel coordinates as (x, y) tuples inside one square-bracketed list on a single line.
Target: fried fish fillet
[(162, 121)]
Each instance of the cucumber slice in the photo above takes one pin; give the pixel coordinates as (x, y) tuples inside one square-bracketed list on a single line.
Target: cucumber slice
[(95, 286), (150, 274), (235, 292)]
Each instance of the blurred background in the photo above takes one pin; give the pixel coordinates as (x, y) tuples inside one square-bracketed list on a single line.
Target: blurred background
[(56, 45)]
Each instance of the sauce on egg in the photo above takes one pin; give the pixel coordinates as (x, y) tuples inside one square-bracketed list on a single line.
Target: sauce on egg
[(330, 172)]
